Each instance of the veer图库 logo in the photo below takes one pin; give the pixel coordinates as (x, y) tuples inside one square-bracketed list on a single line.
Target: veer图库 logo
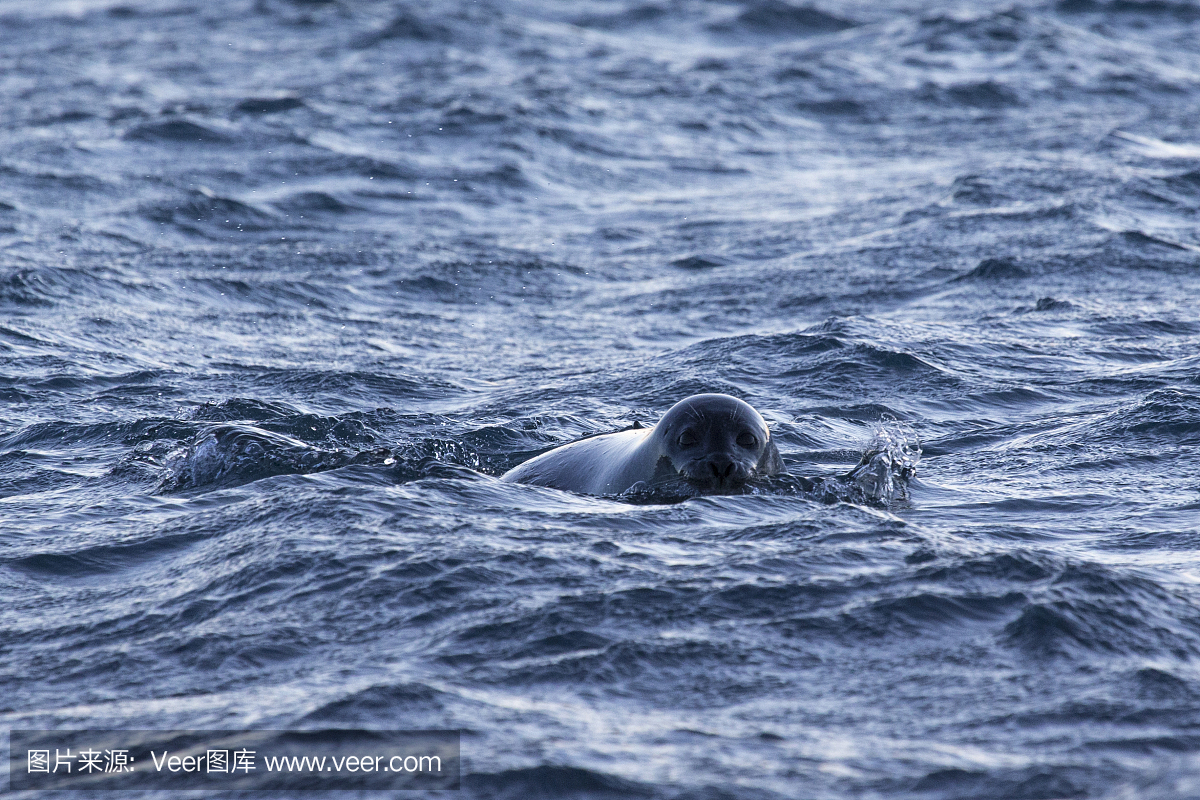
[(97, 760)]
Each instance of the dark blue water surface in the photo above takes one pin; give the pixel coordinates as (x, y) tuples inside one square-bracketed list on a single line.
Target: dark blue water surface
[(286, 284)]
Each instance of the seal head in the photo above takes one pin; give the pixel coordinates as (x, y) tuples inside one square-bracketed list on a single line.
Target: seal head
[(714, 442), (717, 442)]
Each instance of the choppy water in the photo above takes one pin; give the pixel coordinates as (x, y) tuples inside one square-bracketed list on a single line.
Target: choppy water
[(285, 285)]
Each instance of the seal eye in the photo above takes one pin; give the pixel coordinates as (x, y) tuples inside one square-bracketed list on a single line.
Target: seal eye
[(747, 439), (688, 439)]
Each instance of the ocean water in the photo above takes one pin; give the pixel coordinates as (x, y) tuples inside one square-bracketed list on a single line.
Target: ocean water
[(286, 284)]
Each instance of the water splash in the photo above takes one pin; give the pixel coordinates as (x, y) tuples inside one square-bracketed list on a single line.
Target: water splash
[(231, 455), (888, 463)]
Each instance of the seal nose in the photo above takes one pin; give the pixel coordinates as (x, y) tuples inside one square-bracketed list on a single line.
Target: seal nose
[(721, 468)]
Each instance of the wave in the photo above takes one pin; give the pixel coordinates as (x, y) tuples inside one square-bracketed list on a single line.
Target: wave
[(104, 559), (269, 105), (230, 455), (380, 705), (202, 207), (778, 18), (408, 25), (1180, 10), (553, 781), (179, 131)]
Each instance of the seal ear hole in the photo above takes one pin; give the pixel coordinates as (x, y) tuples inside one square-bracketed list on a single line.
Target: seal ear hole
[(747, 439), (688, 438)]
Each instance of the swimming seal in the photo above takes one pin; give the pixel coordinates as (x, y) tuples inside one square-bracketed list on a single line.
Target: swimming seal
[(713, 441)]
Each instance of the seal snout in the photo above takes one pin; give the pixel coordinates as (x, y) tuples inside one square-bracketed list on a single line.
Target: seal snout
[(726, 473), (721, 468), (717, 472)]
